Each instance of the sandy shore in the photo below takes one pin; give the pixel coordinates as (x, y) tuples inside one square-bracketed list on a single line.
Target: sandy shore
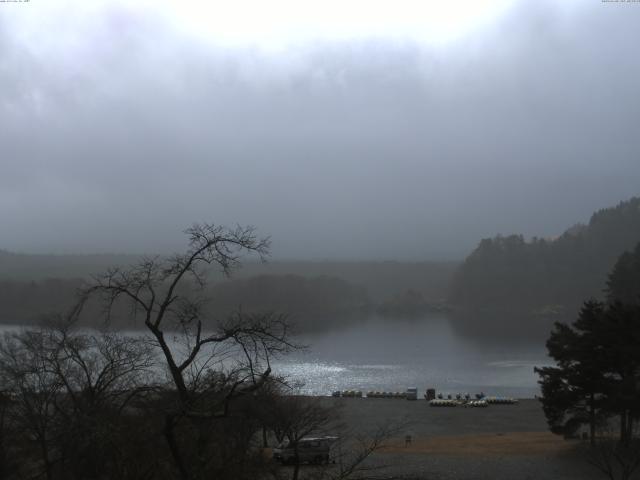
[(497, 442)]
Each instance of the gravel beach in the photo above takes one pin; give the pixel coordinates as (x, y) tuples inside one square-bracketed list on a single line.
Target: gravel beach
[(497, 442)]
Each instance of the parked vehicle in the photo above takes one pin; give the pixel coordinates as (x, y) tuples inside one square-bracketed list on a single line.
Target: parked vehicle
[(412, 393), (310, 450)]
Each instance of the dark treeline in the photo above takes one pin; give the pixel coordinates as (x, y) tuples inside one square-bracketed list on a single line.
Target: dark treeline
[(382, 279), (320, 295), (311, 302), (314, 303), (546, 276), (30, 301)]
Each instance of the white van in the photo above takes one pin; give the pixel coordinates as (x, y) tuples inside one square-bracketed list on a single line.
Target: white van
[(310, 450)]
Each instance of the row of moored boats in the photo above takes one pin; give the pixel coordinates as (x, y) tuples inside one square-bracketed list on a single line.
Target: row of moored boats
[(466, 400), (482, 402)]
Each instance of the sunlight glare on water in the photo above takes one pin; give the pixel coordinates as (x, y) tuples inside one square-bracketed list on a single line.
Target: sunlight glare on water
[(385, 356), (391, 355)]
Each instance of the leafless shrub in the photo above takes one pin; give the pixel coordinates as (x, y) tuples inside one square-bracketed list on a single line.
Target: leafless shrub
[(67, 389), (615, 459)]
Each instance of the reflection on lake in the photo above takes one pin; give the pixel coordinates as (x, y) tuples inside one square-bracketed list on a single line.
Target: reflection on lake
[(392, 355)]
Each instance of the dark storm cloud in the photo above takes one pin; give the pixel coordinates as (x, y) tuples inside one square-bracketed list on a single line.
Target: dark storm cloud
[(119, 132)]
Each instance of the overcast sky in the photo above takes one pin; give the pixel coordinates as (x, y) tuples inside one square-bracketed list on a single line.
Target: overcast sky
[(386, 130)]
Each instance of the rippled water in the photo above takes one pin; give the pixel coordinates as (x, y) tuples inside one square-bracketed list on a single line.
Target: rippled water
[(393, 355)]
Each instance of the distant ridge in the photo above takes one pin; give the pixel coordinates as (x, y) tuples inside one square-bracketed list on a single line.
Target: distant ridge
[(22, 266)]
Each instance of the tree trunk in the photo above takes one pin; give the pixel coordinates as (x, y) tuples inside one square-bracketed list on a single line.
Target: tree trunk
[(44, 451), (623, 428), (173, 447), (592, 420), (296, 466)]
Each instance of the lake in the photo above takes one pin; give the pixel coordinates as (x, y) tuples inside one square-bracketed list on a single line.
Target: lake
[(391, 355)]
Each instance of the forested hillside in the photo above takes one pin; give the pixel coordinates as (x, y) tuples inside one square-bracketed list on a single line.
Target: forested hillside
[(547, 275)]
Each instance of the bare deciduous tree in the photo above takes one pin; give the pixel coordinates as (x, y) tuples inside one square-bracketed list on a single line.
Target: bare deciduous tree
[(209, 363), (33, 392), (66, 390)]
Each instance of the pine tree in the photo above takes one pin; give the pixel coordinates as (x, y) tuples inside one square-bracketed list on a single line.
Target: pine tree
[(597, 372), (623, 284), (573, 391)]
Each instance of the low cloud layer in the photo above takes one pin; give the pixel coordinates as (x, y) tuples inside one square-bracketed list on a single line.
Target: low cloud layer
[(119, 130)]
